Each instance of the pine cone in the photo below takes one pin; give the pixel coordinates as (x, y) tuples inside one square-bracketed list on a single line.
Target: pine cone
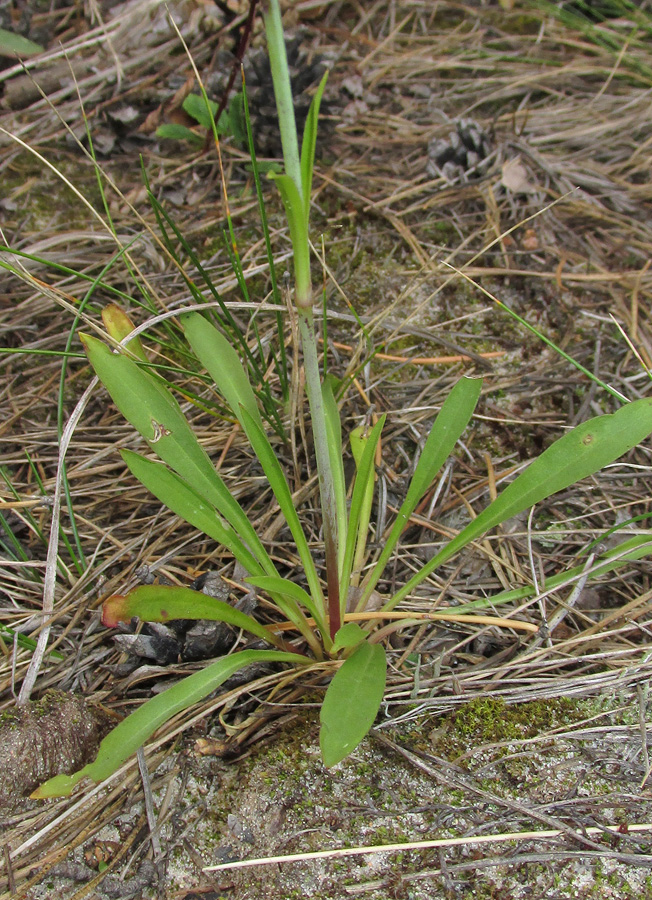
[(184, 639), (463, 155), (305, 75)]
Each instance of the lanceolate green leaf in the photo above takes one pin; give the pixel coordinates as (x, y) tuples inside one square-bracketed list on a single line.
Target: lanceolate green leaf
[(290, 598), (349, 635), (352, 702), (308, 145), (133, 731), (279, 485), (363, 447), (446, 430), (165, 602), (294, 592), (173, 132), (197, 107), (156, 415), (222, 363), (12, 44), (334, 435), (293, 207), (579, 453), (148, 405), (236, 119), (178, 496), (119, 325), (294, 211)]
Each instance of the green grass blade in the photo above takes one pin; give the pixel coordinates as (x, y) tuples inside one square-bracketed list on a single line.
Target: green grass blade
[(178, 496), (234, 259), (224, 317), (12, 547), (27, 643), (577, 454), (282, 365), (264, 391), (132, 732), (446, 430), (165, 222), (66, 270), (620, 526), (637, 547), (352, 702), (78, 559), (539, 334)]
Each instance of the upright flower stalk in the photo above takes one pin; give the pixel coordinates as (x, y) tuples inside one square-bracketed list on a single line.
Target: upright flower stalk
[(295, 186)]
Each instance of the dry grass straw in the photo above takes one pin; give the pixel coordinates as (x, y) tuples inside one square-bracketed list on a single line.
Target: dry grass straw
[(576, 116)]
